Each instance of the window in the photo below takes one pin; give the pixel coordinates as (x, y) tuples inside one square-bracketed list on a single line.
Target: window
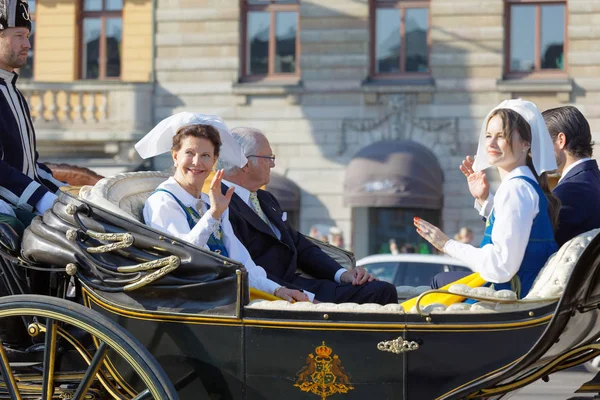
[(101, 37), (535, 37), (387, 224), (400, 41), (270, 38), (26, 71)]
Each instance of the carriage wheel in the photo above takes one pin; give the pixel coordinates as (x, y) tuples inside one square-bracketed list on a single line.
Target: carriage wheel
[(82, 355)]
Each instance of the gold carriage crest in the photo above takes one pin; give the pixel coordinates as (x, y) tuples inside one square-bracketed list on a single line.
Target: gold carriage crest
[(323, 374)]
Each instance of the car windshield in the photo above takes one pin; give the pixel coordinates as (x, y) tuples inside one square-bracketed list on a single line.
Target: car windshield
[(410, 273)]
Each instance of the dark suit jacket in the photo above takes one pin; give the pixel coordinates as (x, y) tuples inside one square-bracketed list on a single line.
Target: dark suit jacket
[(279, 258), (579, 193)]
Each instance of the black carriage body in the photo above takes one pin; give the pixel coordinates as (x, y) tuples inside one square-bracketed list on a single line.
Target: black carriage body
[(264, 354), (217, 347)]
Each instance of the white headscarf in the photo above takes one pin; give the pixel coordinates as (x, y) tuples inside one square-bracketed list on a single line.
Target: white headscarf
[(542, 149), (160, 139)]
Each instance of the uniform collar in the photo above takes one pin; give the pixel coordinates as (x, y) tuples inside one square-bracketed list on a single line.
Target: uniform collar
[(8, 76), (187, 199)]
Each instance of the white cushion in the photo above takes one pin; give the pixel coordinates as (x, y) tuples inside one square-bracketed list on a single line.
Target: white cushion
[(549, 284), (369, 308), (552, 279), (124, 194)]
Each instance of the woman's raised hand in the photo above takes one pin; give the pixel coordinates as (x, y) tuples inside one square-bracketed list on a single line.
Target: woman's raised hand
[(477, 181), (219, 201), (431, 233)]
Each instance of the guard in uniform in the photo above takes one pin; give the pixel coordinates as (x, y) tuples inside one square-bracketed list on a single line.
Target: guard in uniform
[(27, 187)]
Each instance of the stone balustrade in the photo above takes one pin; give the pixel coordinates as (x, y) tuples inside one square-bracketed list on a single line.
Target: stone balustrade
[(89, 110)]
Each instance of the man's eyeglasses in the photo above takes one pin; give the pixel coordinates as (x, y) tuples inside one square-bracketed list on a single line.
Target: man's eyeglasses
[(271, 157)]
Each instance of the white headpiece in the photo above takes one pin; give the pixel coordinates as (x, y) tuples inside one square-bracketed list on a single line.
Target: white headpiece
[(160, 139), (542, 149)]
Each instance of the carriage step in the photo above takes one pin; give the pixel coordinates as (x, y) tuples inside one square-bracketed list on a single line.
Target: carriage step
[(21, 365)]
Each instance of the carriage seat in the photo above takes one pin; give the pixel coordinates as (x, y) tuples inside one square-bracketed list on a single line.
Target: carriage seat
[(370, 308), (124, 194), (547, 287)]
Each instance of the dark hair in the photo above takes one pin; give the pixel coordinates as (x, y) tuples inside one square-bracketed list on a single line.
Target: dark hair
[(207, 132), (513, 122), (570, 121)]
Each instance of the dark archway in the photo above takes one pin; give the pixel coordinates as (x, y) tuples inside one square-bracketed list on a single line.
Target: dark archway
[(388, 183)]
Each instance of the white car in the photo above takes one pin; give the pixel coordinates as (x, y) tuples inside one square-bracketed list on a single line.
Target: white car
[(410, 273)]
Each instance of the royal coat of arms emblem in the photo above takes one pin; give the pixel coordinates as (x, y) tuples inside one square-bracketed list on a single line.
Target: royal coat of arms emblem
[(323, 374)]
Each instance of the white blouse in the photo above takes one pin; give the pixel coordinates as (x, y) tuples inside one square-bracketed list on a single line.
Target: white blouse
[(515, 206), (162, 212)]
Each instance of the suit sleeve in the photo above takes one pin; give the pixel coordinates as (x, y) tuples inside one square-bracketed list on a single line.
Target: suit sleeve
[(571, 218), (19, 189), (311, 259)]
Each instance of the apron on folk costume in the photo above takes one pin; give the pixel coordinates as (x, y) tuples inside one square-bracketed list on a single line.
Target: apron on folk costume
[(215, 242), (540, 247)]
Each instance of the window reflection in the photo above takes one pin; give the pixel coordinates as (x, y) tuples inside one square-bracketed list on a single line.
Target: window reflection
[(417, 50), (258, 43), (553, 36), (91, 48), (114, 5), (92, 5), (397, 224), (522, 38), (114, 28), (26, 71), (387, 52), (286, 24)]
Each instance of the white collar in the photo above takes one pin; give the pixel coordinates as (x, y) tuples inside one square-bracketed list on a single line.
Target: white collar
[(8, 76), (570, 167), (186, 198), (242, 192), (523, 170)]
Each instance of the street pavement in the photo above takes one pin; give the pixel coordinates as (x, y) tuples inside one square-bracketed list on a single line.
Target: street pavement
[(560, 387)]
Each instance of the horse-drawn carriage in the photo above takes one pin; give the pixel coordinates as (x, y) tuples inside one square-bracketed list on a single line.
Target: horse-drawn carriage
[(99, 306)]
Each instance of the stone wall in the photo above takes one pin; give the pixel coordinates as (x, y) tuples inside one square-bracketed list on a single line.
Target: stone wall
[(316, 127)]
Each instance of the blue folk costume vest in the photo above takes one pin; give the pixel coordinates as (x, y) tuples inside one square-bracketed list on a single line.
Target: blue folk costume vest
[(540, 247), (215, 242)]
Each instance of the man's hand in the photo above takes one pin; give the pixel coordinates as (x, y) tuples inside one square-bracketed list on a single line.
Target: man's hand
[(290, 294), (219, 201), (477, 181), (357, 276)]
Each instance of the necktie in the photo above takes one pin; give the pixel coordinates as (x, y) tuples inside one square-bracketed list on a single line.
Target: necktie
[(256, 207)]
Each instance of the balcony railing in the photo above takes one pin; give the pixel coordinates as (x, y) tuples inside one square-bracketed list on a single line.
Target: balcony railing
[(103, 111)]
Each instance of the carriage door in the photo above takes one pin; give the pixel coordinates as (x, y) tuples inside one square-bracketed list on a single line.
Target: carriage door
[(318, 355)]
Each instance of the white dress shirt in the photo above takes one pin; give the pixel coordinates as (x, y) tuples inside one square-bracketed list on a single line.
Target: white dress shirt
[(162, 212), (516, 204)]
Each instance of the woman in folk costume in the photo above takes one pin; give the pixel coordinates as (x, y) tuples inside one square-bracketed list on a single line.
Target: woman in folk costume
[(519, 234), (178, 205)]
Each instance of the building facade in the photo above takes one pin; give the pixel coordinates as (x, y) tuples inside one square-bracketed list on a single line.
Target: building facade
[(89, 79), (369, 105)]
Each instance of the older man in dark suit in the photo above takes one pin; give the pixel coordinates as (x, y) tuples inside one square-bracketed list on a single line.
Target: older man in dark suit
[(261, 225), (579, 186)]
